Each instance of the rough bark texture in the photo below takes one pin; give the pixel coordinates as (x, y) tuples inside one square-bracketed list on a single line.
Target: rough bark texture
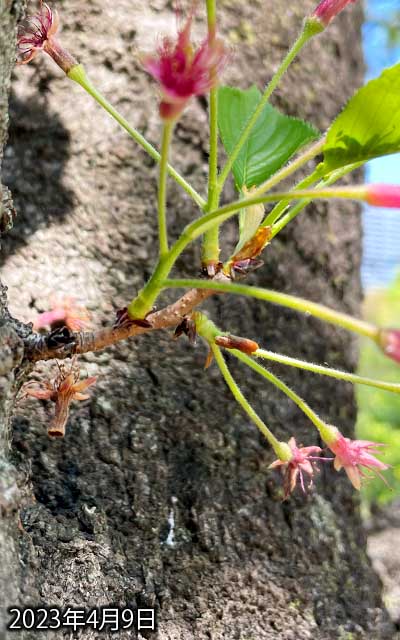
[(161, 444), (11, 346)]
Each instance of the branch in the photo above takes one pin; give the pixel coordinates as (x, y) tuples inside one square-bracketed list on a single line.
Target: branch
[(43, 347)]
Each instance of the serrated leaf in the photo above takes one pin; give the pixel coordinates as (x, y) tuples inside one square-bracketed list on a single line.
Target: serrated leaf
[(274, 139), (369, 125)]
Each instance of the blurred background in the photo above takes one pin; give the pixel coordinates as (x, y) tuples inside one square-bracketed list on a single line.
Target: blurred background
[(379, 411)]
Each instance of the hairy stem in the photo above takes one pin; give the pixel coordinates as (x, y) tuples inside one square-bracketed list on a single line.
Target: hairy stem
[(239, 397), (291, 168), (305, 408), (298, 45), (280, 208), (314, 309), (355, 192), (326, 371)]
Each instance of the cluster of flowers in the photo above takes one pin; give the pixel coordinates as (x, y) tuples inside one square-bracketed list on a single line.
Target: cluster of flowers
[(184, 71), (352, 455)]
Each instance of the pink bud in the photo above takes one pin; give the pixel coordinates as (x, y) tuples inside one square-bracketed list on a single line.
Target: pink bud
[(389, 341), (383, 195), (329, 9)]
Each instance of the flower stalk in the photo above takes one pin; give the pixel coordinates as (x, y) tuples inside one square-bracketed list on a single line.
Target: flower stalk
[(78, 75), (310, 153), (303, 406), (210, 247), (326, 371), (162, 187), (302, 305), (281, 449), (279, 219), (355, 192), (301, 41)]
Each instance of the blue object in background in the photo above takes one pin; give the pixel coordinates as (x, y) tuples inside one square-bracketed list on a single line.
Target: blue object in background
[(381, 243)]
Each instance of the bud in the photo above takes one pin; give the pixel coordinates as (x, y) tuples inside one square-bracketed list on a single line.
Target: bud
[(236, 342), (183, 71), (389, 342), (37, 33), (327, 10), (383, 195)]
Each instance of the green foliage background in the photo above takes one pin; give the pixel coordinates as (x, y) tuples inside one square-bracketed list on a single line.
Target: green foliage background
[(379, 411)]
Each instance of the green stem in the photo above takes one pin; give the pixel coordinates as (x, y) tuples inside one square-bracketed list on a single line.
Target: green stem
[(144, 301), (78, 74), (355, 192), (162, 188), (139, 307), (239, 397), (291, 168), (298, 45), (293, 302), (294, 211), (210, 248), (305, 408), (326, 371), (281, 207), (211, 6)]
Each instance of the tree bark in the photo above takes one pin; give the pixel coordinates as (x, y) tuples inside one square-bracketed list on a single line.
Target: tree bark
[(160, 493)]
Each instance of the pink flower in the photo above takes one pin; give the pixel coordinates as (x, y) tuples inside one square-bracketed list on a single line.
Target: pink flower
[(183, 72), (329, 9), (65, 312), (383, 195), (37, 33), (301, 462), (354, 454)]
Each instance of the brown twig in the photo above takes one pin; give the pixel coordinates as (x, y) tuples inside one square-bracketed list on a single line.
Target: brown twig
[(37, 346)]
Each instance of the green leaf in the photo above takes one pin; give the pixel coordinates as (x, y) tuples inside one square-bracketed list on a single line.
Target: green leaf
[(369, 126), (274, 139)]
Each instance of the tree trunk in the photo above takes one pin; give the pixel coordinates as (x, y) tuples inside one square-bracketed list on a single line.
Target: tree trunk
[(160, 493)]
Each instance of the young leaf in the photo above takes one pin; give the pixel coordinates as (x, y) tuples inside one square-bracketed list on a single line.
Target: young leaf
[(369, 126), (273, 140), (249, 221)]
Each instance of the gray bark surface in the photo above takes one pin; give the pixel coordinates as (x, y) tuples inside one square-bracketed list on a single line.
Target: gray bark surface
[(88, 519)]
